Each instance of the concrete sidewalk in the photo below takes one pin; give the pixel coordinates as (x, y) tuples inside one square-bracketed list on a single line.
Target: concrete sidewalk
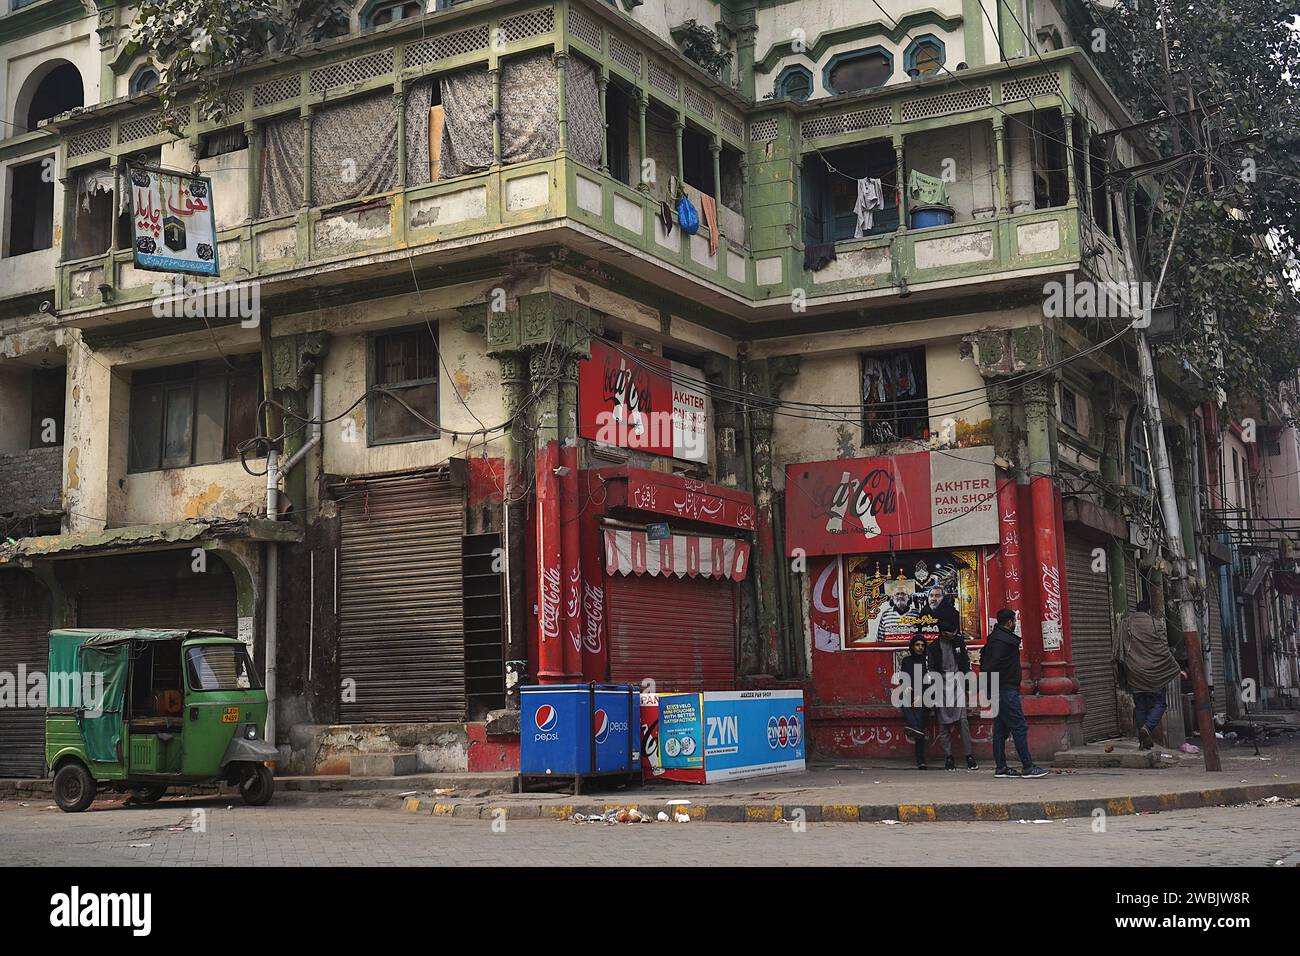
[(872, 792)]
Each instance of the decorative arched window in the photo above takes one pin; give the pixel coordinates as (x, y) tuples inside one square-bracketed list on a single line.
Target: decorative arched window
[(1139, 459), (924, 56), (53, 88), (379, 12), (143, 80), (859, 70), (794, 83)]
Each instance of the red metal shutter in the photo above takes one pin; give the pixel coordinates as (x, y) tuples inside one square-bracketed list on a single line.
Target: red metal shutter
[(679, 632), (401, 611), (24, 629)]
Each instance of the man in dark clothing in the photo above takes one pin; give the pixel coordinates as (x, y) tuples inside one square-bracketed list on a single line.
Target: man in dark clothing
[(949, 662), (1002, 657), (1147, 665), (915, 668)]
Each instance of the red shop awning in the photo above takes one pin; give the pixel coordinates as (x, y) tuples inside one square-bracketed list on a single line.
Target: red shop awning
[(681, 555), (679, 497)]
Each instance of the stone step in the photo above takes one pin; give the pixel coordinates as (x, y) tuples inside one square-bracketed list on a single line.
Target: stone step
[(383, 764), (460, 784)]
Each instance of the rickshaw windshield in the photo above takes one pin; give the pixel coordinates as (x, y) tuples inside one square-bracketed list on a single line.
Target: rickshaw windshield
[(220, 667)]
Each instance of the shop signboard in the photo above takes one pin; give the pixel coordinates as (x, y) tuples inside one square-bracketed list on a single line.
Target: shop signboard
[(633, 399), (918, 501), (173, 225)]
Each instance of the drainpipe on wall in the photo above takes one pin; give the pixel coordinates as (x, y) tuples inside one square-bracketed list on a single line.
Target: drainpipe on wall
[(272, 590)]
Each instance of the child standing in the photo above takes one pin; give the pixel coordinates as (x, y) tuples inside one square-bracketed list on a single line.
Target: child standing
[(916, 667)]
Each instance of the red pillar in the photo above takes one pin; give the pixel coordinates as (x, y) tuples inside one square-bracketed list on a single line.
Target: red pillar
[(1009, 541), (570, 562), (1048, 539), (550, 646)]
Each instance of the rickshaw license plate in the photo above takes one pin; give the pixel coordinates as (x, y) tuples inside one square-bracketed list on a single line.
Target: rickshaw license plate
[(230, 715)]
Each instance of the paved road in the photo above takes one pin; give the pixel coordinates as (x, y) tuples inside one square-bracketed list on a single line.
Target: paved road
[(288, 834)]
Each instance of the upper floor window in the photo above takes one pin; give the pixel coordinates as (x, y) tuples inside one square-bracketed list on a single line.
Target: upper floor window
[(1069, 408), (31, 207), (193, 414), (794, 83), (143, 80), (53, 89), (1139, 460), (390, 11), (403, 403), (860, 70), (895, 404), (924, 55)]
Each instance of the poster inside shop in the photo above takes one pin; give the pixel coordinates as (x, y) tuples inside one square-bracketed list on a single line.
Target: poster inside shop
[(892, 597), (173, 226), (633, 399)]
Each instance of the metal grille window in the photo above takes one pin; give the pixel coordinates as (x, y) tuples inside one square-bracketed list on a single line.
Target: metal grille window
[(894, 400), (794, 83), (864, 70), (403, 401), (1069, 408), (194, 414)]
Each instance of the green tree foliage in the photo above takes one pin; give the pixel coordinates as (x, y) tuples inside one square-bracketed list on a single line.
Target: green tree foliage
[(198, 43), (1232, 268)]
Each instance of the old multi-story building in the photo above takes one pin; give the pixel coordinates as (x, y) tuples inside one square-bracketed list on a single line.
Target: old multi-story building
[(489, 352)]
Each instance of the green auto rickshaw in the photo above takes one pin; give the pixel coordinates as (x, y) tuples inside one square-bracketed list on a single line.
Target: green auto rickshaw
[(144, 710)]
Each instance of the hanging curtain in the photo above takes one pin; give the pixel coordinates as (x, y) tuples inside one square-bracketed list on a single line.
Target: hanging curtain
[(419, 98), (467, 131), (530, 108), (282, 167), (353, 149), (582, 106)]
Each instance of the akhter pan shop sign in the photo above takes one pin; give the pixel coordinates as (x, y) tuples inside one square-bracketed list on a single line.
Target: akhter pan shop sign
[(919, 501)]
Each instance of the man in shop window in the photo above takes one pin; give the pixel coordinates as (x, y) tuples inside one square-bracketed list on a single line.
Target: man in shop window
[(1145, 665), (1001, 661)]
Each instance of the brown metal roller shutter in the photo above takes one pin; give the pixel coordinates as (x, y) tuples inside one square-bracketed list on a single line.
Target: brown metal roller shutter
[(680, 632), (1218, 674), (204, 600), (1090, 639), (24, 629), (401, 616)]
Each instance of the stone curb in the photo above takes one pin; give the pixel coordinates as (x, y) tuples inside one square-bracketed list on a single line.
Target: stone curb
[(773, 812)]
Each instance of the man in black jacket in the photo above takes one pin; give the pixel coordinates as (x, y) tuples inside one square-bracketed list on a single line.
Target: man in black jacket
[(949, 662), (1002, 657)]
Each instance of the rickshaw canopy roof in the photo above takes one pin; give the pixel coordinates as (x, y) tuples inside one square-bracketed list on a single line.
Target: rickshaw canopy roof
[(102, 637)]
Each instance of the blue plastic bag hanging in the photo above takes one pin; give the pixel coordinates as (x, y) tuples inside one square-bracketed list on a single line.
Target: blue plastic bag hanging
[(687, 217)]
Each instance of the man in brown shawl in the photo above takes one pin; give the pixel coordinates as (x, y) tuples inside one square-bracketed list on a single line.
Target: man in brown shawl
[(1146, 666)]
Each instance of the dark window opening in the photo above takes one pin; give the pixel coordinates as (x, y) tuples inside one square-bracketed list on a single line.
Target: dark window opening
[(895, 405), (405, 365), (830, 191), (1097, 172), (193, 414), (795, 83), (144, 80), (223, 141), (31, 207), (1069, 408), (697, 157), (850, 73), (1141, 220), (58, 92), (392, 12), (733, 184), (92, 214), (1079, 133), (619, 109), (1051, 185), (1139, 461), (49, 387)]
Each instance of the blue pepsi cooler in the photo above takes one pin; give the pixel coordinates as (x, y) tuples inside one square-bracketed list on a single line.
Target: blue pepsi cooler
[(578, 731)]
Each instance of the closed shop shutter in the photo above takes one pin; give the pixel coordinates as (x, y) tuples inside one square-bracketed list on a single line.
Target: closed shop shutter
[(679, 632), (401, 616), (1090, 639), (164, 592), (24, 629)]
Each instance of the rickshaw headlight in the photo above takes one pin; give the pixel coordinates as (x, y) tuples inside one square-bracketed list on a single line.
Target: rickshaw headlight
[(251, 732)]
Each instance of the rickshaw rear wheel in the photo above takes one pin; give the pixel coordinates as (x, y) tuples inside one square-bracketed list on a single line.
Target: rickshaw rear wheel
[(257, 786), (150, 793), (74, 788)]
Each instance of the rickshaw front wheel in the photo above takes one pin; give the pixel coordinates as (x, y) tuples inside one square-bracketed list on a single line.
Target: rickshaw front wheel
[(74, 788), (257, 786)]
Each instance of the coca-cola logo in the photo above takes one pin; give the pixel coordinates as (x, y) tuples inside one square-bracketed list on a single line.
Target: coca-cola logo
[(859, 500), (627, 389), (550, 597), (593, 604)]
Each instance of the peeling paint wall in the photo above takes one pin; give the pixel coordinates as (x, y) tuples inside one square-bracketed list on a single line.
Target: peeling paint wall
[(469, 374), (200, 491)]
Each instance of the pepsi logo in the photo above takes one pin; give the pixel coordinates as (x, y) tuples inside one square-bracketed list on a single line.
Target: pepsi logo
[(545, 717), (600, 726)]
